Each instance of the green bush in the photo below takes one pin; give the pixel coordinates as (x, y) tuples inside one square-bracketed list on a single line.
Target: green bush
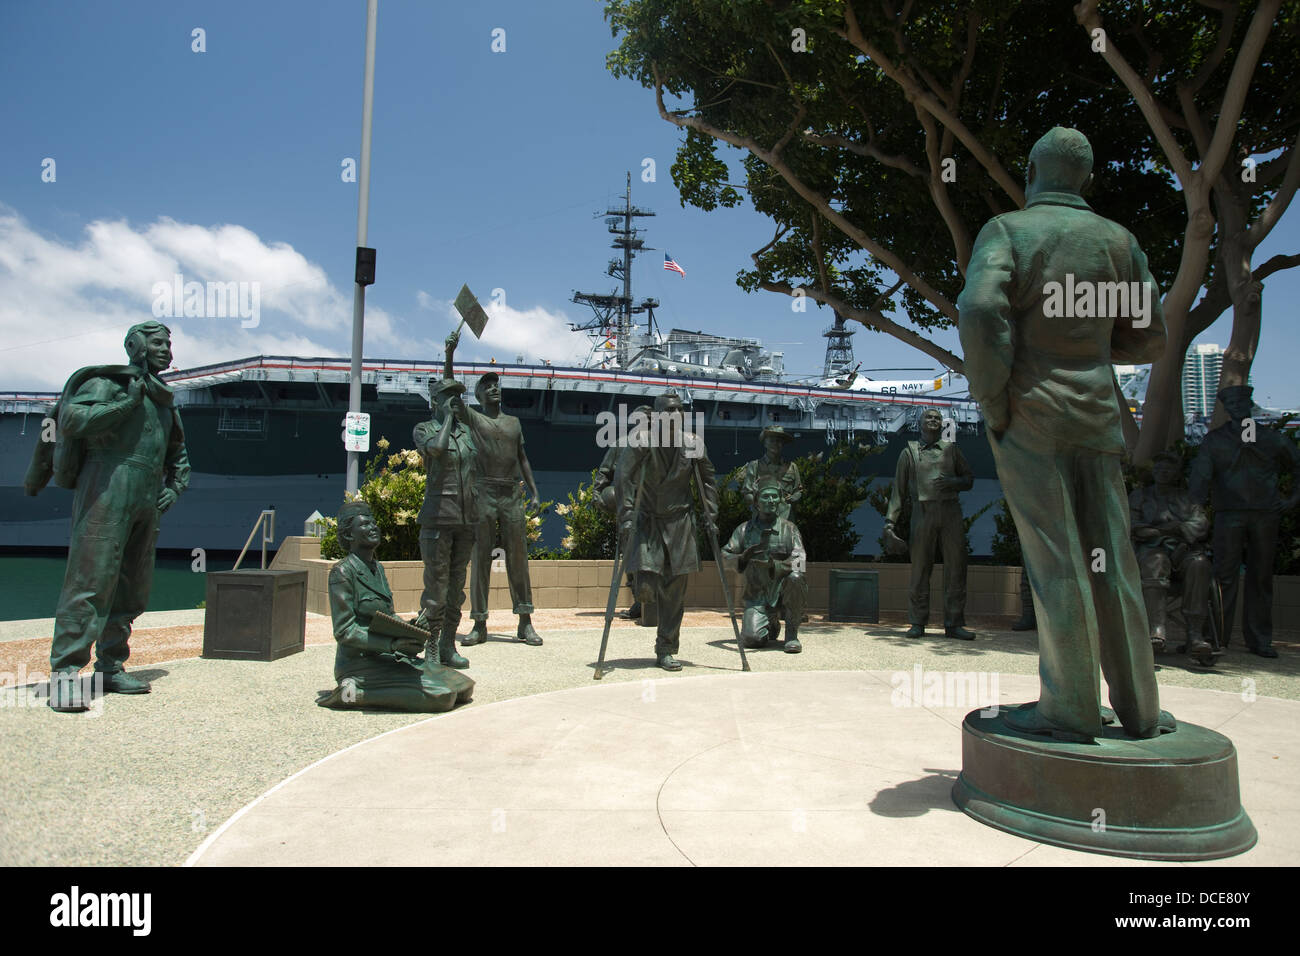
[(1006, 539), (834, 485), (588, 531)]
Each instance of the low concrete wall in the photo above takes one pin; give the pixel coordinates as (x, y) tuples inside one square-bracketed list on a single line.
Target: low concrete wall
[(992, 590)]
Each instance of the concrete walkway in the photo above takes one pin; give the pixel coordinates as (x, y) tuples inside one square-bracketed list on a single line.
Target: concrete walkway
[(145, 780), (760, 769)]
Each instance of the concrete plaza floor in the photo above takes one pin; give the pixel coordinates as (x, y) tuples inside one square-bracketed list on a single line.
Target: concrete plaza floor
[(826, 757)]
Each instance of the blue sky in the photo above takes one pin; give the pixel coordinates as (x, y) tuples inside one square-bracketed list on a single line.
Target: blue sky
[(487, 167)]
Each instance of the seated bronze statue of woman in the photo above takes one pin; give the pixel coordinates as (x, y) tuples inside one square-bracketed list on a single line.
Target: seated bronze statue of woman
[(378, 663)]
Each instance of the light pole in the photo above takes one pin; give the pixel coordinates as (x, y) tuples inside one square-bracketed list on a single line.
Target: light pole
[(365, 262)]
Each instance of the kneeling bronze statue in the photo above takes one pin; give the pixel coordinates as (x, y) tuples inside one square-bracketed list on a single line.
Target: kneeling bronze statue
[(769, 552), (378, 663)]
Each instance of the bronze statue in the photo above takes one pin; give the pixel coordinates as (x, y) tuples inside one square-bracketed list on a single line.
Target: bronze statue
[(1240, 465), (930, 475), (1170, 532), (499, 441), (449, 515), (378, 664), (665, 550), (1042, 375), (771, 465), (120, 444), (768, 551), (605, 488)]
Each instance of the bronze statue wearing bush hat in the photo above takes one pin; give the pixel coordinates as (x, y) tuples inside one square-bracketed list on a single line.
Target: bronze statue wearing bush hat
[(120, 444), (1237, 468), (774, 438)]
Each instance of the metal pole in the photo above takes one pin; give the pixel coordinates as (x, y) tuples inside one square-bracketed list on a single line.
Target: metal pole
[(363, 215)]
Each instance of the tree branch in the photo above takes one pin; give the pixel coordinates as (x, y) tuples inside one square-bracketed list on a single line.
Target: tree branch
[(1085, 13), (915, 94), (874, 320), (865, 149), (811, 196), (961, 240), (1234, 96), (1281, 199)]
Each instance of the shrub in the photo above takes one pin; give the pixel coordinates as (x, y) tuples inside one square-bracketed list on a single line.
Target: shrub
[(588, 532), (834, 485), (395, 492)]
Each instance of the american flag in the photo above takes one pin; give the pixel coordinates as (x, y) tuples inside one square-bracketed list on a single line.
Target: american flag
[(672, 266)]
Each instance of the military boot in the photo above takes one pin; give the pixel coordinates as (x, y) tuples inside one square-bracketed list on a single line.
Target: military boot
[(792, 645), (1196, 646), (447, 649), (477, 635), (1155, 601), (70, 693)]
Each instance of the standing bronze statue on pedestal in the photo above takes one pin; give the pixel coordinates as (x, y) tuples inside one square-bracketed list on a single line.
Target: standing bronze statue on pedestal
[(1054, 295), (449, 515), (1051, 408), (378, 664), (499, 441), (930, 475), (1238, 467), (771, 465), (120, 444), (1170, 532)]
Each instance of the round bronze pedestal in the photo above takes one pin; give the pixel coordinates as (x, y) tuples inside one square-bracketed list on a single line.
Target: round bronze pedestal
[(1174, 797)]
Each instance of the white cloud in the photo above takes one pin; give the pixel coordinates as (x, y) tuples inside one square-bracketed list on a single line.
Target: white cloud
[(536, 333), (68, 304), (65, 304)]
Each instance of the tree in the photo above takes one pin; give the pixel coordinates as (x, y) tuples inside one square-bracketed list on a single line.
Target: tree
[(878, 139)]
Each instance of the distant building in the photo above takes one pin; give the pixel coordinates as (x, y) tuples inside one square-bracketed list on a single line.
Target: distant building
[(1130, 374), (1201, 371)]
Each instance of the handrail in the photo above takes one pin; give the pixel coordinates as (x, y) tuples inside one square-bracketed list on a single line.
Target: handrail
[(265, 521)]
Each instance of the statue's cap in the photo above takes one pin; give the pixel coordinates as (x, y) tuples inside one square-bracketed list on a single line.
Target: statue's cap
[(1229, 392), (775, 431), (448, 385)]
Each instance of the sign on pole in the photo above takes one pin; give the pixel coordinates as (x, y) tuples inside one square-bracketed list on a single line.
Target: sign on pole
[(356, 431)]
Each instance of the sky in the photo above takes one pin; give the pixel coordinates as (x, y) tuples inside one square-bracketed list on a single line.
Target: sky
[(492, 169)]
